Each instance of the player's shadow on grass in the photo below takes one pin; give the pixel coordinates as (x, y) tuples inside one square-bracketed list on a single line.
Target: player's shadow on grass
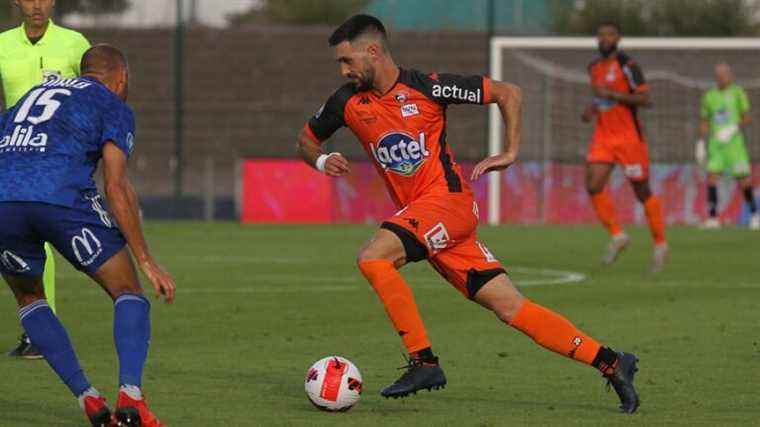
[(16, 411)]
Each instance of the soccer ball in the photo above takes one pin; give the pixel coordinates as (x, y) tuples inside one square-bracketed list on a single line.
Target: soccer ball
[(333, 384)]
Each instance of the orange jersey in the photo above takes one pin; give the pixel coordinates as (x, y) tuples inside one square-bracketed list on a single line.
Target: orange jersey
[(404, 131), (616, 121)]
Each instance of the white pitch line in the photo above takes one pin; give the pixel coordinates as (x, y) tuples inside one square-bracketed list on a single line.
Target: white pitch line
[(352, 283)]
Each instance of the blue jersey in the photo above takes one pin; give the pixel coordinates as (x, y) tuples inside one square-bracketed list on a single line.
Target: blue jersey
[(52, 140)]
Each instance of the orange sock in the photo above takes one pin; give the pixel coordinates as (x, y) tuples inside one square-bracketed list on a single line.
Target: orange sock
[(399, 302), (605, 210), (553, 332), (653, 209)]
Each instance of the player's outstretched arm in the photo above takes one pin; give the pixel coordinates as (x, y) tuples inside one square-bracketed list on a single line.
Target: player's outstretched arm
[(332, 164), (509, 99), (124, 207)]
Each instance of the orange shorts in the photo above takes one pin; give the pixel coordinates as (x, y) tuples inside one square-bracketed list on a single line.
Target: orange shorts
[(632, 154), (443, 230)]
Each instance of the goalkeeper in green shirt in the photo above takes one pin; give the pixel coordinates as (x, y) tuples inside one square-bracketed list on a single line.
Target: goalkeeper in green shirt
[(725, 111), (29, 54)]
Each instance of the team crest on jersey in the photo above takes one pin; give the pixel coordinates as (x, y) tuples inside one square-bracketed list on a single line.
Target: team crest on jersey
[(399, 152), (402, 97)]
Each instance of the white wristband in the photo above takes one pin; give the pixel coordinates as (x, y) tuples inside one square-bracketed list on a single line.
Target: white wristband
[(321, 160)]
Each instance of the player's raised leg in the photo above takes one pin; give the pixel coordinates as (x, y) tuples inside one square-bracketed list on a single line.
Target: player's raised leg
[(554, 332), (597, 176), (52, 340), (379, 261), (656, 221)]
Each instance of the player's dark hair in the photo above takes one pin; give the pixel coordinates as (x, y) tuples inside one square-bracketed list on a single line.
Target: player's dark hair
[(356, 26), (609, 24)]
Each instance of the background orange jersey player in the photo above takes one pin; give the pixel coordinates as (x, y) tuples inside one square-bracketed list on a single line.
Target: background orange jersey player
[(398, 115), (619, 89)]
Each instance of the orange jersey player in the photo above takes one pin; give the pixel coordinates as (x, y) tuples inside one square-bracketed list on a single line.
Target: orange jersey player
[(619, 89), (399, 116)]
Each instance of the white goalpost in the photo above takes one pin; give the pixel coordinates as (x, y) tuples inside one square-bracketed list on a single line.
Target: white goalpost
[(682, 80)]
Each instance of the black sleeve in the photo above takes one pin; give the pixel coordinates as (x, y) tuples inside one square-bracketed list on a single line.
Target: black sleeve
[(330, 116), (448, 89), (634, 75)]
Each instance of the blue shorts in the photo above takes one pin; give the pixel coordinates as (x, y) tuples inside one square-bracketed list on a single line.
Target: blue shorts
[(84, 234)]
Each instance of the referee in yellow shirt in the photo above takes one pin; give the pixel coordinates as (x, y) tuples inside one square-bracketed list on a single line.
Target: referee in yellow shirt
[(30, 54)]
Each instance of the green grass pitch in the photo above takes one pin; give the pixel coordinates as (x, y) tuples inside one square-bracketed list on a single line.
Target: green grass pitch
[(256, 305)]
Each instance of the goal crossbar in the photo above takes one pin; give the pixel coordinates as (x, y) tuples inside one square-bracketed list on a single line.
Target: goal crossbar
[(499, 44)]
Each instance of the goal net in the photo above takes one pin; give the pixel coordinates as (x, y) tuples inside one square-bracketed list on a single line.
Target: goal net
[(552, 73)]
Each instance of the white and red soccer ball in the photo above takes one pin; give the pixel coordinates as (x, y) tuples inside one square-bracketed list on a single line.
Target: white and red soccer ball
[(333, 384)]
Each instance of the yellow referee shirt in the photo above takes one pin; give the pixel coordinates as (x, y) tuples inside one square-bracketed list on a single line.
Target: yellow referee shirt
[(24, 65)]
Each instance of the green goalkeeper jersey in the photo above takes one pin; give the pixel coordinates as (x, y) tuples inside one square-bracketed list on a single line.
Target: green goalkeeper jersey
[(24, 65), (723, 109)]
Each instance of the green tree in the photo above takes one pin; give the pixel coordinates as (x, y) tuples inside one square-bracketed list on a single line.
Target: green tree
[(716, 18), (302, 12)]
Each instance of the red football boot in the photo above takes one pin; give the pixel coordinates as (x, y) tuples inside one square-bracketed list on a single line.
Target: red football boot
[(134, 413), (97, 411)]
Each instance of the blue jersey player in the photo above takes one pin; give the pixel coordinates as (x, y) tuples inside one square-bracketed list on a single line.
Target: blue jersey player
[(50, 145)]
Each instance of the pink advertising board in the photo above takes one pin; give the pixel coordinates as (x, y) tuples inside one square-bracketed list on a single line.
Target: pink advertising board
[(288, 191)]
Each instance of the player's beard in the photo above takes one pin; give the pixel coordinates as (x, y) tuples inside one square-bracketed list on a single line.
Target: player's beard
[(606, 51), (364, 82)]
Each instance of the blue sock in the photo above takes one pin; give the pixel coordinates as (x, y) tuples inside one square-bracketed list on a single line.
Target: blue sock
[(131, 332), (49, 336)]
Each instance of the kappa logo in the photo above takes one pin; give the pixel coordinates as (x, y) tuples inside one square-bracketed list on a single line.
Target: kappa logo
[(14, 263), (87, 248), (437, 238), (399, 152), (408, 110), (457, 93)]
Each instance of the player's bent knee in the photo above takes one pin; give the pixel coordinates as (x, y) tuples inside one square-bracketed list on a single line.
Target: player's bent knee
[(383, 246), (500, 296), (507, 310)]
